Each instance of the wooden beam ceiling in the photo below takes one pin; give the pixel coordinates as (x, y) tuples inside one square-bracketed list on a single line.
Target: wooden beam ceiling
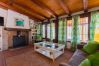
[(20, 11), (63, 5), (46, 8), (28, 8), (24, 8), (4, 5), (26, 11), (85, 4)]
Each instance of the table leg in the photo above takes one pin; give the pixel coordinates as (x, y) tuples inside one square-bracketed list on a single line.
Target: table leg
[(53, 57)]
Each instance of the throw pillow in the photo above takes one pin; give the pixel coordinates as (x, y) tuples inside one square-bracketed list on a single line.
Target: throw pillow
[(91, 47), (86, 62)]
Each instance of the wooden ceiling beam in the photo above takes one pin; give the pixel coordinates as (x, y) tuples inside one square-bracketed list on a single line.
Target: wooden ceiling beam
[(23, 7), (85, 4), (4, 5), (63, 5), (28, 8), (44, 7), (9, 7), (25, 11)]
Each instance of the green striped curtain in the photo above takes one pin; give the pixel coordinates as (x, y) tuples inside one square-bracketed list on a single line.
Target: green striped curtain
[(41, 30), (51, 30), (65, 31), (60, 31), (94, 18), (75, 32)]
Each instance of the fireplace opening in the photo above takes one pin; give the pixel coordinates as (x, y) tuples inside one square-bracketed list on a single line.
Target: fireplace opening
[(19, 40)]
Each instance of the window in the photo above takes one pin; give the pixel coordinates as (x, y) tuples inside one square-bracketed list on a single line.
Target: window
[(69, 30), (83, 29), (38, 29), (38, 35), (48, 31), (43, 30)]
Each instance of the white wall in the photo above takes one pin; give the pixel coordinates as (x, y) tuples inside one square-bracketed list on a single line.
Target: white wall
[(3, 13), (9, 22), (12, 15), (3, 39), (3, 43)]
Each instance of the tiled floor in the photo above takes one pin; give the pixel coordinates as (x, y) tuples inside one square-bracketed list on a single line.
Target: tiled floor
[(28, 57)]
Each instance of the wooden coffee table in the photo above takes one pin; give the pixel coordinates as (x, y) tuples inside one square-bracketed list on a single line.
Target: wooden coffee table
[(50, 50)]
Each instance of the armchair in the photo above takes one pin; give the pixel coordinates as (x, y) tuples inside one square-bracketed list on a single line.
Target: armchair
[(81, 55), (92, 60)]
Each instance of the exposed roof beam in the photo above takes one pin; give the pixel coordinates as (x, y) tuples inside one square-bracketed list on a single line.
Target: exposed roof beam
[(63, 5), (46, 8), (85, 4), (4, 5), (9, 7), (29, 8), (23, 7), (26, 11)]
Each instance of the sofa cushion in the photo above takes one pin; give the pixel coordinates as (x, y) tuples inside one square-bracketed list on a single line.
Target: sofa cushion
[(94, 59), (85, 62), (91, 47), (77, 58)]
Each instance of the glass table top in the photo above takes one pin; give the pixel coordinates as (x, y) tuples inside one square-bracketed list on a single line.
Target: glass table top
[(49, 44)]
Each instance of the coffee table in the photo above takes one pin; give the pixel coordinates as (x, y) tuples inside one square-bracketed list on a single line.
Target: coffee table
[(50, 50)]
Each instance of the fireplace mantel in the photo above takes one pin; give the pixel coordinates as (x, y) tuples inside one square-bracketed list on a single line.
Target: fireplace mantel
[(16, 29)]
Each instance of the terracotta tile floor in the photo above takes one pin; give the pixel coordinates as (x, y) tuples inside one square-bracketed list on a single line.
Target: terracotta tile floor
[(28, 57)]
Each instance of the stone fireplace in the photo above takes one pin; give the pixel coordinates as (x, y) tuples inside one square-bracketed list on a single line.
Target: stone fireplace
[(17, 38)]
